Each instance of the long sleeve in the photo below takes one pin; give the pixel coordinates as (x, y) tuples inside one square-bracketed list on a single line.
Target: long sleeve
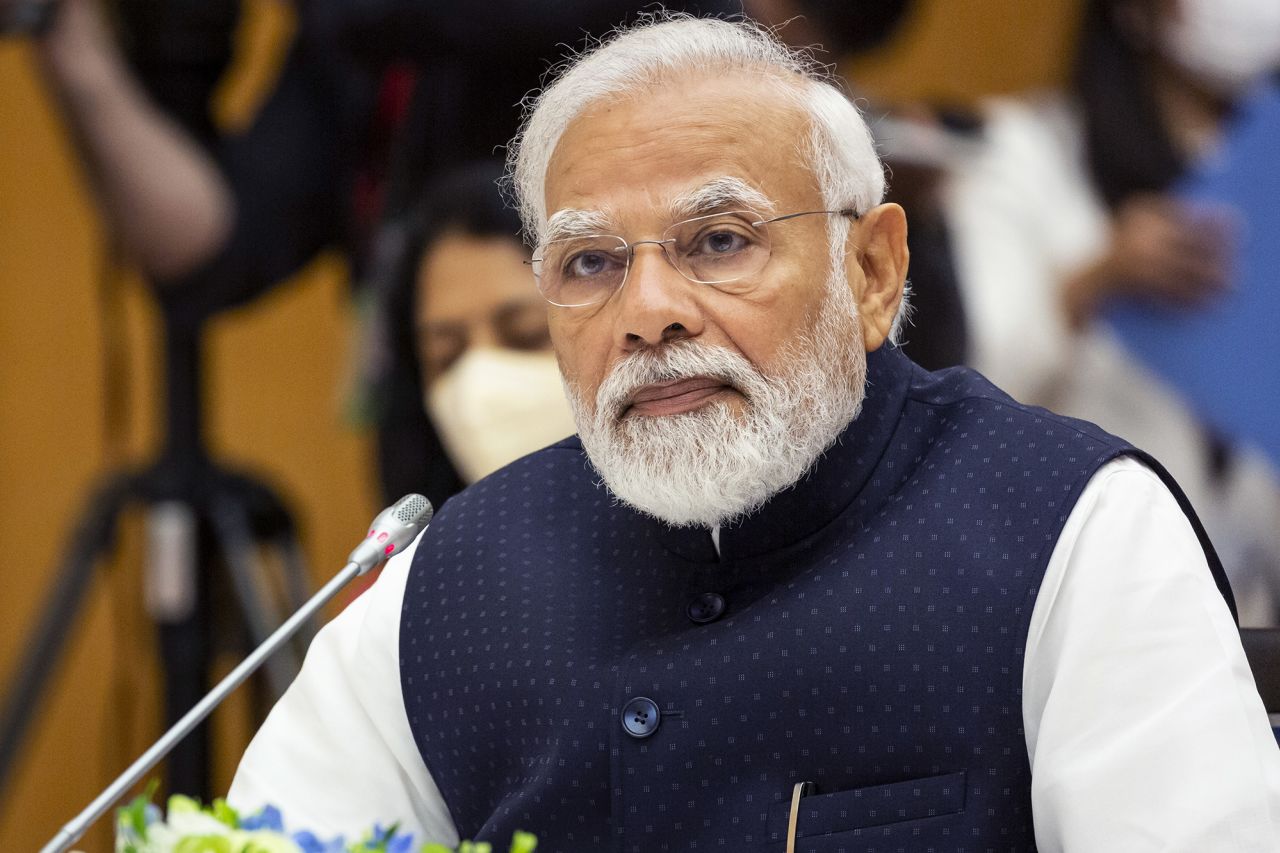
[(1143, 724), (336, 754)]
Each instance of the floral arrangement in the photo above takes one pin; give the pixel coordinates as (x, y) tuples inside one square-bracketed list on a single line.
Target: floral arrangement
[(191, 828)]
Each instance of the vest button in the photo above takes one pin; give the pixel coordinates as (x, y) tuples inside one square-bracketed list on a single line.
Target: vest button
[(707, 607), (640, 717)]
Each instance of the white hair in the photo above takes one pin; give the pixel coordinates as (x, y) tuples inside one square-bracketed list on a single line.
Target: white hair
[(662, 45)]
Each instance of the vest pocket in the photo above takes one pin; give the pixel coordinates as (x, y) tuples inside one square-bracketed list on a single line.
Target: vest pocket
[(875, 805)]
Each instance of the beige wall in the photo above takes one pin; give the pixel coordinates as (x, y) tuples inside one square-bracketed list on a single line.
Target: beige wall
[(277, 371), (953, 51)]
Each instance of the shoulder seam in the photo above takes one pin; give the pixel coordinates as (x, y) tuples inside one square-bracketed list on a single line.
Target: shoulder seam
[(1033, 411)]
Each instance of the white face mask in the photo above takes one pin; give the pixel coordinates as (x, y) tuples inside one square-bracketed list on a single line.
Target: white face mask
[(493, 406), (1226, 45)]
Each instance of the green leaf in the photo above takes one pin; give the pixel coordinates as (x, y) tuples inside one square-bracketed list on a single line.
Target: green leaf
[(224, 814), (432, 847), (178, 804), (134, 815), (523, 842), (203, 844), (379, 843)]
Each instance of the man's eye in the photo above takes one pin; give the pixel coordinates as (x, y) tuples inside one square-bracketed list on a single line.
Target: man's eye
[(721, 242), (588, 264)]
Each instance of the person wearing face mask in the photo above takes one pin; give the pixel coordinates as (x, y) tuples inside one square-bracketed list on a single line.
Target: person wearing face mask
[(470, 371), (1222, 47), (1068, 207)]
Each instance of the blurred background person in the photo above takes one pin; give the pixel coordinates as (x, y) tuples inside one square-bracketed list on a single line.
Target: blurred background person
[(1069, 206), (468, 334)]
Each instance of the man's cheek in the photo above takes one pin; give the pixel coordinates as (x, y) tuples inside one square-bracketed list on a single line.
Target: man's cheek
[(566, 361)]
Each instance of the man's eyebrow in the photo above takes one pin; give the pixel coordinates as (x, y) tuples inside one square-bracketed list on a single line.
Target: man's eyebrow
[(724, 193), (572, 222)]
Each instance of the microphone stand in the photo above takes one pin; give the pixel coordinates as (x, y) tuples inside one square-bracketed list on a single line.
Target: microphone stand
[(75, 828)]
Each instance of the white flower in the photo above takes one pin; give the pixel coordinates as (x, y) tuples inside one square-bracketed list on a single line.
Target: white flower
[(194, 823), (264, 841)]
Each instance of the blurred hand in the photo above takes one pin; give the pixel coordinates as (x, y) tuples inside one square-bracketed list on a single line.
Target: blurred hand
[(161, 195), (1161, 250), (76, 37)]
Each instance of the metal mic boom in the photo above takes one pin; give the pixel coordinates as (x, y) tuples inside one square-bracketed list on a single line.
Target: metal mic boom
[(391, 531)]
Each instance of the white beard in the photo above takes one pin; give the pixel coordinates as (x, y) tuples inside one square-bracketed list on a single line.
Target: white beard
[(711, 466)]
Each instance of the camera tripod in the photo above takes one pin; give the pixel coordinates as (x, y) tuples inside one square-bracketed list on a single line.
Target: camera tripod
[(200, 518)]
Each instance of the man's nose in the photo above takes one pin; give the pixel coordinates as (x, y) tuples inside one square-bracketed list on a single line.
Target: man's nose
[(657, 304)]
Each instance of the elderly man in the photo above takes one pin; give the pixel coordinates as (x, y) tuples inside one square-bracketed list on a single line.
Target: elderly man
[(786, 590)]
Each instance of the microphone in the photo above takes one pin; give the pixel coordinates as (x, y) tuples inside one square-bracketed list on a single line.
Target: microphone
[(393, 529)]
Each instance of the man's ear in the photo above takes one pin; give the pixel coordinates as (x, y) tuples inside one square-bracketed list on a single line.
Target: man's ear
[(876, 259)]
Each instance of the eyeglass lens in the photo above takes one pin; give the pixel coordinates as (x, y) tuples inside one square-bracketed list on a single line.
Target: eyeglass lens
[(715, 249)]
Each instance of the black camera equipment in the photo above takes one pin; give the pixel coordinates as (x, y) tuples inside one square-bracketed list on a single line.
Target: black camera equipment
[(210, 528)]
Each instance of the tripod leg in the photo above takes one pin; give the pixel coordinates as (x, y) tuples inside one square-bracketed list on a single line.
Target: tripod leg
[(92, 536), (231, 525)]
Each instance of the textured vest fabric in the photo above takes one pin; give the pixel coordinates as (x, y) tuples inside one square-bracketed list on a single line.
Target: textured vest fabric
[(576, 669)]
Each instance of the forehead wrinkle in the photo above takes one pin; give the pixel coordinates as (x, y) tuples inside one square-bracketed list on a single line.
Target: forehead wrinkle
[(575, 222), (719, 194)]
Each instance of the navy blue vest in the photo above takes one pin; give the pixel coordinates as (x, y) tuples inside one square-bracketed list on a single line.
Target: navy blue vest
[(573, 668)]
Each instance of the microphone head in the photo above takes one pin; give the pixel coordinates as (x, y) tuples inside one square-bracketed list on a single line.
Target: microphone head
[(413, 509), (392, 530)]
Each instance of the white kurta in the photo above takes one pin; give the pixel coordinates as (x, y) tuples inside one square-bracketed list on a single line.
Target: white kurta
[(1144, 728)]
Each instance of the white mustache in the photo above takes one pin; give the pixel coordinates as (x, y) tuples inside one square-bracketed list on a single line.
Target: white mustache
[(672, 363)]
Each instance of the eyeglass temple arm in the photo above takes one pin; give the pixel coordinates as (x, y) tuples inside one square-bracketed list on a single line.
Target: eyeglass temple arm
[(845, 211)]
